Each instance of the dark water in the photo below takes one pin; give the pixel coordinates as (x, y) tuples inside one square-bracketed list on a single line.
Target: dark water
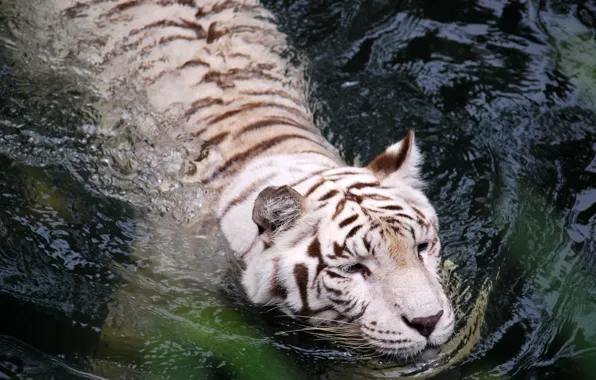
[(502, 96)]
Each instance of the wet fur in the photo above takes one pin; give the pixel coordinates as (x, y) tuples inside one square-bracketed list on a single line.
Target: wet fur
[(219, 66)]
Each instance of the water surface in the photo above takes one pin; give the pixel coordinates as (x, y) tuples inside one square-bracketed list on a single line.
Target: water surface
[(100, 271)]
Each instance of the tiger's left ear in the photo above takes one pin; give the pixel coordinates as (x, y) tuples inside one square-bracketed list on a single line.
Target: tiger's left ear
[(400, 163), (276, 209)]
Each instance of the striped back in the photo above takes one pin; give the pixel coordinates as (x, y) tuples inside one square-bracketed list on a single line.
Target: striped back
[(220, 65)]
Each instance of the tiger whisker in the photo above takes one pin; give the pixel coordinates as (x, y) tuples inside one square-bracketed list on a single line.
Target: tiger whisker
[(329, 332), (306, 329), (273, 307), (327, 320), (339, 338), (333, 335)]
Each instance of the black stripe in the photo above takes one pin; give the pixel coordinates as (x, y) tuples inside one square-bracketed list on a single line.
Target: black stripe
[(253, 151), (403, 216), (214, 34), (417, 211), (352, 319), (310, 176), (301, 276), (393, 221), (338, 251), (367, 246), (434, 243), (338, 301), (376, 197), (392, 207), (353, 231), (280, 93), (339, 208), (217, 139), (314, 250), (412, 231), (335, 275), (353, 305), (184, 24), (217, 8), (122, 7), (337, 292), (347, 221), (314, 187), (361, 185), (270, 122), (167, 39), (252, 106), (226, 79), (330, 194), (354, 198), (188, 3), (202, 103), (193, 63)]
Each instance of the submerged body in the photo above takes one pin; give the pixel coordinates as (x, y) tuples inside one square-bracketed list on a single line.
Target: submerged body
[(353, 248)]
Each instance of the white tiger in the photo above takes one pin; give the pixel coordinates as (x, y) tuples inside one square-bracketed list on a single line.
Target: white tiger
[(354, 248)]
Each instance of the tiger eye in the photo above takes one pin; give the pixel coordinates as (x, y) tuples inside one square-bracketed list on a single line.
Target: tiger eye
[(357, 268)]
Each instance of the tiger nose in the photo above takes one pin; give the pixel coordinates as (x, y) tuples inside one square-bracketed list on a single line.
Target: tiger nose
[(425, 325)]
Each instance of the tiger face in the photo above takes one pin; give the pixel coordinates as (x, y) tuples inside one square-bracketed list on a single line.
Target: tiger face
[(357, 250)]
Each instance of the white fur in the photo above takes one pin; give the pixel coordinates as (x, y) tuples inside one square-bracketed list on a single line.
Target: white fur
[(400, 283)]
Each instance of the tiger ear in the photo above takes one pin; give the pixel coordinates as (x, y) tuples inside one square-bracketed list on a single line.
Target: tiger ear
[(276, 209), (399, 163)]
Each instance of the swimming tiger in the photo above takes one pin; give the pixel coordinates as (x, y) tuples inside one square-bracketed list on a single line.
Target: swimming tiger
[(353, 248)]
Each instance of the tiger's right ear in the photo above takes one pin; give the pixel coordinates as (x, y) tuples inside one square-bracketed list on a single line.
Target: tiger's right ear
[(399, 163), (276, 209)]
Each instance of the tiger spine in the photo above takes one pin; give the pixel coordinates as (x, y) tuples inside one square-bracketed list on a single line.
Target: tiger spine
[(221, 65)]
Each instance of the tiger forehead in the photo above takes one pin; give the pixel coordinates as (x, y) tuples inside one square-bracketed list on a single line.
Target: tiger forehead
[(359, 189), (340, 180), (397, 245)]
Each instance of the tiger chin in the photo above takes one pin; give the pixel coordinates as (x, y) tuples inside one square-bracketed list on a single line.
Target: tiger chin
[(356, 250)]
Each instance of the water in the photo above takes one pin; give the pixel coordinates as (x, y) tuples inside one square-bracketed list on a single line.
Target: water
[(103, 271)]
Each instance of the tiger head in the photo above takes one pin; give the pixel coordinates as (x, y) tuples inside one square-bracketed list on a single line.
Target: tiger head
[(357, 250)]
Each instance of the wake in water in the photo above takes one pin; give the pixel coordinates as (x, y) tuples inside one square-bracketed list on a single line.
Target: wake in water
[(21, 361)]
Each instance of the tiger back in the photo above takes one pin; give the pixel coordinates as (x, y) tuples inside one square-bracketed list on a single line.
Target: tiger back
[(356, 249)]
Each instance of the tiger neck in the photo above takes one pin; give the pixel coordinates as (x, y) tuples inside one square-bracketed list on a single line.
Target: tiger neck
[(239, 195)]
